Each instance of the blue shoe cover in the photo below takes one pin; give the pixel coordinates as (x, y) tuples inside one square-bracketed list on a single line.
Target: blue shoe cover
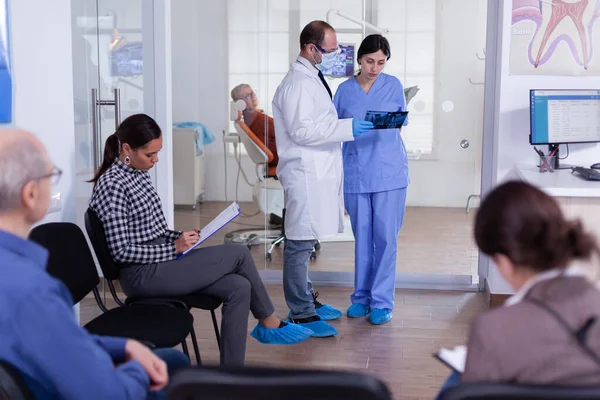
[(288, 334), (320, 328), (358, 310), (328, 313), (380, 316)]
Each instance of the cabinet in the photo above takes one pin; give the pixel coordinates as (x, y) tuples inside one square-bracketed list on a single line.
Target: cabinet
[(188, 168)]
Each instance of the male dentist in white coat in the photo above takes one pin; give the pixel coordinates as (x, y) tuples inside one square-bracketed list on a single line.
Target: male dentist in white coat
[(309, 136)]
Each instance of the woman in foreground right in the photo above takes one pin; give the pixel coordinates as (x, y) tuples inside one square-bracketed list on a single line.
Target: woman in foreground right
[(547, 333)]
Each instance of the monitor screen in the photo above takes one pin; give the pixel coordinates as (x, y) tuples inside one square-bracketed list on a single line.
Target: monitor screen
[(564, 116), (344, 65), (127, 60)]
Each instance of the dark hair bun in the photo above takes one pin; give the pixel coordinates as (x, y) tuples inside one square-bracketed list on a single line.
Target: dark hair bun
[(582, 243), (523, 223)]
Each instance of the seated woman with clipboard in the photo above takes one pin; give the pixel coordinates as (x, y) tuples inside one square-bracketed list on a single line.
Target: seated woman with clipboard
[(547, 333), (148, 253)]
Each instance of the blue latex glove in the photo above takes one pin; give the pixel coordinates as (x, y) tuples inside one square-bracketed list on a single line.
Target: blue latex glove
[(360, 126)]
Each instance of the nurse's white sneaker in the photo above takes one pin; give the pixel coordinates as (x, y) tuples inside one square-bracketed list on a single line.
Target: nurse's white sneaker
[(358, 310)]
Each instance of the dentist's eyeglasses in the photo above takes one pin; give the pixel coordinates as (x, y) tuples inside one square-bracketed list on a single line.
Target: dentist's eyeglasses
[(54, 176), (337, 50)]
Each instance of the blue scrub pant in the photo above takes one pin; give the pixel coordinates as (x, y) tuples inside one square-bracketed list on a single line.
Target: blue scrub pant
[(376, 220)]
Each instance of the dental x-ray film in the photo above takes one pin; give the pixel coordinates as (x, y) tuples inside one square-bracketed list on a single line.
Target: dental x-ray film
[(386, 119)]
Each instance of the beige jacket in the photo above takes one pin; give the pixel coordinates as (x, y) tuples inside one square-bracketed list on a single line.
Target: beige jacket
[(523, 343)]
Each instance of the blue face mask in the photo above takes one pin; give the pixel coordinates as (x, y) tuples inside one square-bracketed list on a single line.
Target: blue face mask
[(327, 61)]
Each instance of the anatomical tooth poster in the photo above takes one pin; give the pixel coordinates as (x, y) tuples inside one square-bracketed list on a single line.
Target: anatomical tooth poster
[(5, 77), (555, 37)]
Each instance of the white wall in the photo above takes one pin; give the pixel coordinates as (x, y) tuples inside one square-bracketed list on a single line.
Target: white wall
[(200, 86), (512, 113), (43, 82), (454, 173)]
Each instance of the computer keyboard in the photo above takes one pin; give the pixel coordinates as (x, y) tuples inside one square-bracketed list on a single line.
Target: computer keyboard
[(587, 173)]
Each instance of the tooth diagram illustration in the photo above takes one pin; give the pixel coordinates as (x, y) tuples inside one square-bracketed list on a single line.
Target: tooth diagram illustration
[(561, 12)]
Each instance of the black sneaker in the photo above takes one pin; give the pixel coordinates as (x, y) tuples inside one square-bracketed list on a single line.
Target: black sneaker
[(317, 303), (306, 320)]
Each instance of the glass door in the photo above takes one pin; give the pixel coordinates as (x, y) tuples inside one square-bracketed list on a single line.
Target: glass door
[(113, 77), (437, 52)]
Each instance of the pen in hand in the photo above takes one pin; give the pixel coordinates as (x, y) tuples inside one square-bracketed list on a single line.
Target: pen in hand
[(185, 241)]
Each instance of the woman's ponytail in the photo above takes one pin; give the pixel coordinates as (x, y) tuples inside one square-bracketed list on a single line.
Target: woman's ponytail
[(111, 152)]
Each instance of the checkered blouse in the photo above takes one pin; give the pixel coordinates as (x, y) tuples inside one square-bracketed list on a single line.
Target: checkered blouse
[(130, 210)]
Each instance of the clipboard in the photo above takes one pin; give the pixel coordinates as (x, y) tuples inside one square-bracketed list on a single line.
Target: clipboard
[(225, 217)]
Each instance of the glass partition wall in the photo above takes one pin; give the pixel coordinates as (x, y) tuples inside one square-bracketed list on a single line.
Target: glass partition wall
[(437, 52)]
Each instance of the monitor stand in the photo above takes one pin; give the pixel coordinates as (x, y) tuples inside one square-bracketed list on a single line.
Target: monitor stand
[(557, 164)]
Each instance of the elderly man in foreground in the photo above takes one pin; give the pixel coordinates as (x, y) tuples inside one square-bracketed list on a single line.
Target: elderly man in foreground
[(40, 335)]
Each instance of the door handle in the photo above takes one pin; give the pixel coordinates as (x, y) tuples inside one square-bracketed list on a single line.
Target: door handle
[(96, 136)]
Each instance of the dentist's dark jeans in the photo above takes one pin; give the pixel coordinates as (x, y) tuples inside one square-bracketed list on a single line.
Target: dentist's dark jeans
[(297, 287)]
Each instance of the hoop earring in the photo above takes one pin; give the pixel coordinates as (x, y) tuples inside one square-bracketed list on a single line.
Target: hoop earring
[(127, 160)]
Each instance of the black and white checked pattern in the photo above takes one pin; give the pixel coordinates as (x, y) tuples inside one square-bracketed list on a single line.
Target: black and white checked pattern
[(130, 210)]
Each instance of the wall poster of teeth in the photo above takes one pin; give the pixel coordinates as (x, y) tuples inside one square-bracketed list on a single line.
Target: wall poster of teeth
[(555, 37)]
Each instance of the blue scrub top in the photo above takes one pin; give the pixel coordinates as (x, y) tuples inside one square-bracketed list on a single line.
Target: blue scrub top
[(376, 161)]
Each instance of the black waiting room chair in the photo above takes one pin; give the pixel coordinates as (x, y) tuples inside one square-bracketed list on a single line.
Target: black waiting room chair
[(110, 271), (70, 260), (487, 391), (12, 385), (251, 383)]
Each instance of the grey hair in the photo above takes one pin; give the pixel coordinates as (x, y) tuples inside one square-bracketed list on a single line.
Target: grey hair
[(20, 162), (237, 92)]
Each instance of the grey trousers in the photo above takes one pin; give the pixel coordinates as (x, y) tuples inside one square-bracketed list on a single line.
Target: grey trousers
[(297, 286), (226, 272)]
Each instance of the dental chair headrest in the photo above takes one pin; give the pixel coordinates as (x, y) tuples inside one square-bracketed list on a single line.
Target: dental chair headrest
[(236, 108)]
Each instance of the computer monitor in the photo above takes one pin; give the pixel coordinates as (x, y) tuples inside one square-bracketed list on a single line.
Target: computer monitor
[(344, 65), (127, 60), (564, 116)]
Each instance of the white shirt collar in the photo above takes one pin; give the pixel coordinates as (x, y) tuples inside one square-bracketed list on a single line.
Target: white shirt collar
[(311, 68), (544, 276)]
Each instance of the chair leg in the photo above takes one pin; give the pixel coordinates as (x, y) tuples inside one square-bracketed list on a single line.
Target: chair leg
[(196, 349), (473, 196), (216, 326), (274, 243), (184, 347)]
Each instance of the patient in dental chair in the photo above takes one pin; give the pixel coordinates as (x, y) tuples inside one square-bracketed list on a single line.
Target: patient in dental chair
[(258, 122)]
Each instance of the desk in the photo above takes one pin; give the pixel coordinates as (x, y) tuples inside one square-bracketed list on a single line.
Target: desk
[(560, 183), (578, 198)]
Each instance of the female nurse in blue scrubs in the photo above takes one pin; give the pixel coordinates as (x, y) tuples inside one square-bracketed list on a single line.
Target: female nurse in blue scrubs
[(375, 181)]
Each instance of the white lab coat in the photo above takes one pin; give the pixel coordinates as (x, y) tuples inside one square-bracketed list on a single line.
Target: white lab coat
[(309, 136)]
